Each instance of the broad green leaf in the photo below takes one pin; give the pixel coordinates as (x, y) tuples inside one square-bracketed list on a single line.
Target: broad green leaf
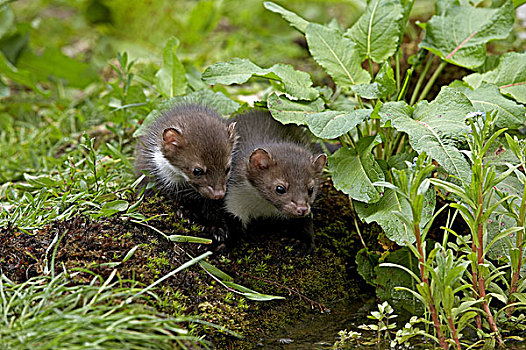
[(293, 19), (383, 86), (237, 71), (287, 111), (332, 124), (52, 65), (389, 277), (171, 78), (354, 171), (366, 262), (15, 41), (509, 76), (377, 31), (435, 128), (214, 100), (394, 110), (381, 212), (487, 98), (337, 55), (296, 83), (459, 36), (203, 19), (473, 80), (19, 76)]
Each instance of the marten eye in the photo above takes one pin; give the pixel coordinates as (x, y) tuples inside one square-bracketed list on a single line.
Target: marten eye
[(311, 191), (227, 170), (198, 172), (280, 189)]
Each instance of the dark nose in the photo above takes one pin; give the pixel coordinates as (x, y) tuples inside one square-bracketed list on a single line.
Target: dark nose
[(302, 211)]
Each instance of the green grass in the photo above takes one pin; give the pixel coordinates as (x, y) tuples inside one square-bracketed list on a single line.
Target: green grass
[(49, 312)]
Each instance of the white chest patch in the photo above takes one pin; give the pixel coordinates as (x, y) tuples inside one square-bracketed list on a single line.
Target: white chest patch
[(166, 172), (244, 202)]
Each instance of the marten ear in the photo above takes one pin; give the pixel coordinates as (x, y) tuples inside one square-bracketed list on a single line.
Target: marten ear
[(232, 136), (173, 136), (319, 162), (260, 159)]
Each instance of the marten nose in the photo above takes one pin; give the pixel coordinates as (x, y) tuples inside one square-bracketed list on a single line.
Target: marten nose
[(302, 210), (216, 194)]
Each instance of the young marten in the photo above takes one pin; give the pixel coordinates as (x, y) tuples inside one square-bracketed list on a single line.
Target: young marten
[(275, 175), (186, 152)]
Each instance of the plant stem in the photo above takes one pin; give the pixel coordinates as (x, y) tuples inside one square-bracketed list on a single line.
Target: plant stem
[(453, 331), (356, 223), (405, 85), (432, 81), (397, 64), (478, 243), (421, 78), (518, 243), (432, 309)]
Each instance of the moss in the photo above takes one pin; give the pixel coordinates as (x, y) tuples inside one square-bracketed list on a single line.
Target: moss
[(310, 284)]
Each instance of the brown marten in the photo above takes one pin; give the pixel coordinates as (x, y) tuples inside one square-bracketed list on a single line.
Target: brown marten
[(186, 153), (275, 175)]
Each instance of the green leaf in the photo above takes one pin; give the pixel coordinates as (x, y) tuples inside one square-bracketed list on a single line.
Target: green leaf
[(487, 98), (19, 76), (214, 100), (398, 269), (171, 78), (52, 65), (435, 128), (459, 36), (293, 19), (383, 86), (188, 239), (249, 293), (296, 83), (377, 31), (366, 263), (381, 212), (286, 111), (215, 271), (7, 20), (337, 55), (509, 76), (332, 124), (4, 90), (110, 208), (355, 170), (237, 71), (203, 19)]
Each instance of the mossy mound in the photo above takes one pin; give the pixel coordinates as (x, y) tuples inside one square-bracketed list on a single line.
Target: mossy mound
[(310, 284)]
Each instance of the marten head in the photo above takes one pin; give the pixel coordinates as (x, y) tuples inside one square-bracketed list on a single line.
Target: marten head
[(200, 149), (287, 176)]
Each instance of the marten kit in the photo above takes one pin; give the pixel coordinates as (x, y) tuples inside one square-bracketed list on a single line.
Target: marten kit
[(234, 174)]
